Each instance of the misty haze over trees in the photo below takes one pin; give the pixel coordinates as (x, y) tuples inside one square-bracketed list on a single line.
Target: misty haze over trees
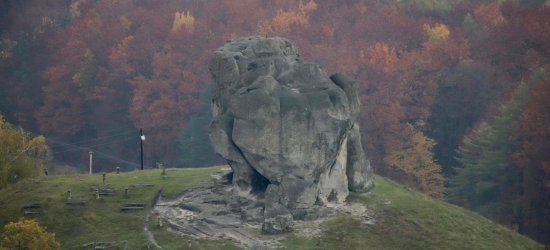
[(454, 94)]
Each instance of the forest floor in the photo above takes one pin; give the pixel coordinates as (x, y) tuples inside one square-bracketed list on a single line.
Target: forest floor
[(388, 217)]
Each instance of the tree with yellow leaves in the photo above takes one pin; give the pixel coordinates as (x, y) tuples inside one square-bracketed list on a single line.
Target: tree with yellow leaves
[(281, 23), (416, 161), (438, 32), (20, 155), (183, 19), (27, 234)]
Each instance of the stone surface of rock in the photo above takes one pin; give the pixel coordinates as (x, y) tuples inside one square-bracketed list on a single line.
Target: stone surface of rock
[(285, 127), (278, 224), (218, 212), (224, 177)]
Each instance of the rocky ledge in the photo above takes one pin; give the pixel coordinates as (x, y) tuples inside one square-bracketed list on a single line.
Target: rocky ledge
[(217, 211)]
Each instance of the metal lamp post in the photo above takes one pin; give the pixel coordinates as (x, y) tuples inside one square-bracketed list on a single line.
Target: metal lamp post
[(91, 152), (141, 142)]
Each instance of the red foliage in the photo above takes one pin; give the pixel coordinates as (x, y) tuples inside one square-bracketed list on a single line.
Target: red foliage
[(120, 64), (489, 14), (532, 132)]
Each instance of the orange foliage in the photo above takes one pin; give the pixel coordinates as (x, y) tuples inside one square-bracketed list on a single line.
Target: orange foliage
[(382, 57), (280, 25), (489, 14), (131, 64), (119, 56), (532, 133), (417, 164), (162, 104), (245, 14)]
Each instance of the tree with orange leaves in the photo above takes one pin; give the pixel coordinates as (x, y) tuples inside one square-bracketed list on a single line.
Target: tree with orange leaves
[(416, 164), (489, 14), (281, 23), (532, 134), (163, 104), (381, 56)]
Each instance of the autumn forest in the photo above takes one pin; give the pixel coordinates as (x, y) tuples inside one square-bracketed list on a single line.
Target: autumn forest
[(455, 94)]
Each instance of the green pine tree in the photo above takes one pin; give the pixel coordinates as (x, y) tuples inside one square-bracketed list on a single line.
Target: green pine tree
[(487, 182), (194, 148)]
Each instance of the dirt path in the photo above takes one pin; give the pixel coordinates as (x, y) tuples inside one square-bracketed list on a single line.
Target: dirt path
[(149, 234)]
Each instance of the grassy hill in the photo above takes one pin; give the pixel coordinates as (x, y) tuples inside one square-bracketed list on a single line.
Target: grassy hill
[(404, 218)]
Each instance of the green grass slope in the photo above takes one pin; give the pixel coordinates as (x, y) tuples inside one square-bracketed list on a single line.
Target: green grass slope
[(405, 218), (98, 220), (410, 220)]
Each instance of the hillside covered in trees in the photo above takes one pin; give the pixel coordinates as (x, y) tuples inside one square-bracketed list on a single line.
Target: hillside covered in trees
[(455, 93)]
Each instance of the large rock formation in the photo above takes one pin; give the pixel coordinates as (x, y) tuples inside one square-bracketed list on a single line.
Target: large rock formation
[(287, 130)]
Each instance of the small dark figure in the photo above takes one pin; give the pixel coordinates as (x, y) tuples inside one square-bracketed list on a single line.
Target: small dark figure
[(343, 236), (46, 172), (126, 192), (319, 242), (104, 179), (118, 170)]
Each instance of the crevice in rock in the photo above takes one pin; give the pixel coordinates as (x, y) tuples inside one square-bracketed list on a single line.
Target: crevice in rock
[(333, 99), (332, 196), (242, 184), (259, 184)]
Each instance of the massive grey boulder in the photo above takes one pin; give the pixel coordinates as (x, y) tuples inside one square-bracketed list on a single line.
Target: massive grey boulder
[(287, 130)]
